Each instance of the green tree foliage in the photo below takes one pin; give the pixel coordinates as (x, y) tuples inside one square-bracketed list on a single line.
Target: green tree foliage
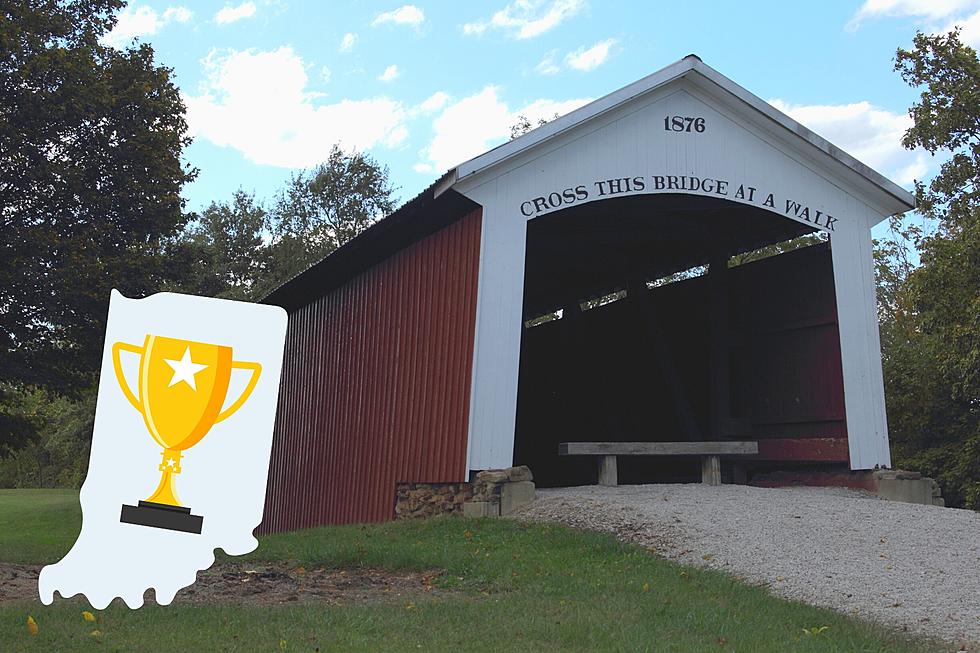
[(946, 119), (223, 253), (523, 125), (323, 208), (239, 250), (782, 247), (57, 456), (930, 313), (90, 180)]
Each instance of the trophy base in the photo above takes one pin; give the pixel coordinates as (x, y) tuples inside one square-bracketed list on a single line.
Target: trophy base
[(160, 515)]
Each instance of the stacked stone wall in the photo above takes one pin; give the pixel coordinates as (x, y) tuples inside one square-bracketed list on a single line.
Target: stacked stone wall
[(494, 492), (428, 499)]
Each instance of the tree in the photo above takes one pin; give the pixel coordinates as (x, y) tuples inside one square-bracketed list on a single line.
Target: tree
[(90, 181), (58, 455), (323, 208), (523, 125), (946, 118), (931, 313), (226, 252)]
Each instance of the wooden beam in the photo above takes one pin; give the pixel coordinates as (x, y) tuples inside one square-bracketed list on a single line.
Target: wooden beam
[(719, 394), (727, 448), (711, 470), (607, 471), (808, 449)]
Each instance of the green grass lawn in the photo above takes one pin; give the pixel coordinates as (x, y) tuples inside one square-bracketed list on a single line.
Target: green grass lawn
[(515, 587), (38, 526)]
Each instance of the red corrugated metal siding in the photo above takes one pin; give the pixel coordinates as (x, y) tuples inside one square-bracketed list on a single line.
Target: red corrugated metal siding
[(376, 385)]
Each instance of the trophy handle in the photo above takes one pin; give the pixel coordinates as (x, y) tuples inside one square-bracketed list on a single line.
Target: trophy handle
[(117, 366), (256, 369)]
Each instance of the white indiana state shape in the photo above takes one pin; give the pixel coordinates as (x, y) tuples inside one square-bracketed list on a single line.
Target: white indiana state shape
[(223, 476)]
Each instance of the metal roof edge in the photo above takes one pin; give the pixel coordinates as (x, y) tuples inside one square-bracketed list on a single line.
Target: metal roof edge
[(903, 196), (413, 220)]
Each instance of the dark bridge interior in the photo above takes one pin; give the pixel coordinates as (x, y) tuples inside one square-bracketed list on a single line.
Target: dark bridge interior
[(736, 350)]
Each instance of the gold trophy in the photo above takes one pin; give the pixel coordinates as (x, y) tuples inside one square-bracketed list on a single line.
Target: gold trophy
[(182, 387)]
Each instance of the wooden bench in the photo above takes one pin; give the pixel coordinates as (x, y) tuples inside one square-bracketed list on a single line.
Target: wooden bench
[(710, 453)]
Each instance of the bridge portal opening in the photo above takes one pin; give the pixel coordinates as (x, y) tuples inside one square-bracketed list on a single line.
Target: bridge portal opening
[(657, 318)]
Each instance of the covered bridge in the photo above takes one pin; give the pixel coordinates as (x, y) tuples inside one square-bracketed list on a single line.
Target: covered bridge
[(582, 283)]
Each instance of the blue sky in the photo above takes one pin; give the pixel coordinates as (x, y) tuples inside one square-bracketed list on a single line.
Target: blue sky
[(271, 84)]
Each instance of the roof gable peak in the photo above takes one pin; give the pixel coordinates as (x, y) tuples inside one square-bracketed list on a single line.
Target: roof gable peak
[(879, 190)]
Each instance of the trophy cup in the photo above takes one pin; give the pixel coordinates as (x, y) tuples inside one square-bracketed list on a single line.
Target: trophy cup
[(182, 387)]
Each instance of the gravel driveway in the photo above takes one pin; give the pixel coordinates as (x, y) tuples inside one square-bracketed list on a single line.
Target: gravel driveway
[(905, 565)]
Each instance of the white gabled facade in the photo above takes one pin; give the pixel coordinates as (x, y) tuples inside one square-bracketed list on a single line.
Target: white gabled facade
[(684, 129)]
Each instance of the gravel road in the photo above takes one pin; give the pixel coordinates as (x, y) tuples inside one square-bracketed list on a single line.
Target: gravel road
[(906, 565)]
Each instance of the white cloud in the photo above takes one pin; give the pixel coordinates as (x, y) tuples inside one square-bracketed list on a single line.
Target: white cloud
[(135, 22), (390, 73), (970, 26), (547, 66), (326, 74), (917, 170), (870, 134), (257, 102), (544, 109), (177, 14), (475, 29), (405, 15), (927, 8), (964, 14), (525, 19), (396, 136), (923, 9), (347, 43), (434, 102), (586, 59), (478, 122), (229, 14)]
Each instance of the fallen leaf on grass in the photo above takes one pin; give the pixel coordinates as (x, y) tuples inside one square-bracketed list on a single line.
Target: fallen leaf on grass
[(88, 616), (707, 556), (96, 634), (646, 587), (31, 625), (427, 581)]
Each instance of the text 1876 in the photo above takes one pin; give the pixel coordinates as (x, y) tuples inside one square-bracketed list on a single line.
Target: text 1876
[(683, 124)]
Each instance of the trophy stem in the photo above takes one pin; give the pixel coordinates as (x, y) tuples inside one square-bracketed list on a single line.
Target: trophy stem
[(163, 509), (169, 467)]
